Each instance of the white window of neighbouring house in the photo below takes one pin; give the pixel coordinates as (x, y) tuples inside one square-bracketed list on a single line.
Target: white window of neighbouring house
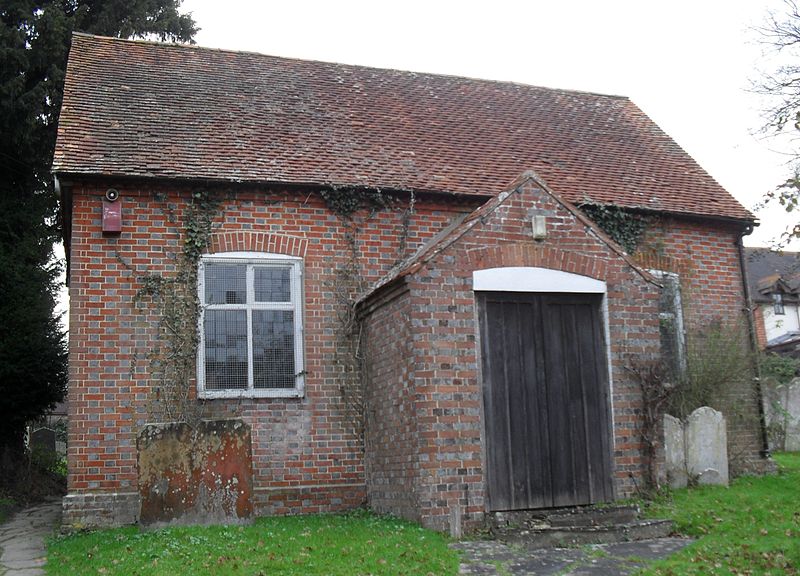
[(251, 326), (777, 304)]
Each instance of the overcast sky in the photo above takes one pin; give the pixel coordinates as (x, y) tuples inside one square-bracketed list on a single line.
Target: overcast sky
[(687, 64)]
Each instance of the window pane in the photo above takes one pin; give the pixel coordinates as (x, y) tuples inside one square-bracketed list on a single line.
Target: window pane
[(225, 349), (273, 349), (225, 283), (273, 284)]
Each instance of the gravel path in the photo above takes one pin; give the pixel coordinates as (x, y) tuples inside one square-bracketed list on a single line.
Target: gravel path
[(22, 539), (495, 558)]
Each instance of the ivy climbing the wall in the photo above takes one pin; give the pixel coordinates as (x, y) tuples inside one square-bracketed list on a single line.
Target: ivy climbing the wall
[(345, 202), (622, 226)]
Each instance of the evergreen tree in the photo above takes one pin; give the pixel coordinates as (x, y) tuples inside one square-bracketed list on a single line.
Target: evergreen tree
[(34, 44)]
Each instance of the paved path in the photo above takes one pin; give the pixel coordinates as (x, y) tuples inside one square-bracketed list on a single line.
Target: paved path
[(492, 558), (22, 539)]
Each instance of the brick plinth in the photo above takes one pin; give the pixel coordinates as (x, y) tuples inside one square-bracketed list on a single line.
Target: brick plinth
[(99, 510)]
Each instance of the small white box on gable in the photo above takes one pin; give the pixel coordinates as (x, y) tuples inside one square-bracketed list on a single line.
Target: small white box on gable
[(539, 226)]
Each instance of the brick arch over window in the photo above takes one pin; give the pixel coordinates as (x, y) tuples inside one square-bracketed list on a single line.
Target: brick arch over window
[(253, 241), (540, 257)]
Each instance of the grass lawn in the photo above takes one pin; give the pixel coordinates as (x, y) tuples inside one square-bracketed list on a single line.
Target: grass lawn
[(751, 527), (348, 545)]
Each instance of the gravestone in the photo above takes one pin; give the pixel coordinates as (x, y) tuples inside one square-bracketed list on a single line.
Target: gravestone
[(782, 405), (706, 441), (675, 452), (199, 474), (791, 407), (43, 439)]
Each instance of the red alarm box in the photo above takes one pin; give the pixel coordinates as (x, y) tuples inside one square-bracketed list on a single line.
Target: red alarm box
[(112, 216)]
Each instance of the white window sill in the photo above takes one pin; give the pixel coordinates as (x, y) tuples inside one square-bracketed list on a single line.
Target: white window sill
[(267, 393)]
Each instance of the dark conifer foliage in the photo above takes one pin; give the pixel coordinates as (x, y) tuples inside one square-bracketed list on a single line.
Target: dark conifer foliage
[(34, 45)]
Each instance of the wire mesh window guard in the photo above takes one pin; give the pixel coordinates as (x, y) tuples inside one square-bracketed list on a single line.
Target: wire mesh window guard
[(250, 326)]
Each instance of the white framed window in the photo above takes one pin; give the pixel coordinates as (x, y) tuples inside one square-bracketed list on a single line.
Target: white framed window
[(251, 326)]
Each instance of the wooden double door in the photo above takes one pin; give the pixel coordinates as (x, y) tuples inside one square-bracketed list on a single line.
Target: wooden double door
[(546, 400)]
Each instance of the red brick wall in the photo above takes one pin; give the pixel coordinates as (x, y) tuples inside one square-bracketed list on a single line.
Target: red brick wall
[(761, 329), (446, 379), (705, 255), (392, 439), (306, 456)]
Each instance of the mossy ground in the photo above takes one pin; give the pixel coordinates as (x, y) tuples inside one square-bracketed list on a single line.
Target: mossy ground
[(751, 527), (346, 545)]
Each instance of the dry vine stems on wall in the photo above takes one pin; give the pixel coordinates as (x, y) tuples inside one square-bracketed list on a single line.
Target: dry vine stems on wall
[(350, 283), (172, 361), (173, 298)]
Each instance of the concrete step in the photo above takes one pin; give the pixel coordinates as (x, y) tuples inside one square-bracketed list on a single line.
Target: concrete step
[(572, 516), (575, 526), (570, 536), (591, 516)]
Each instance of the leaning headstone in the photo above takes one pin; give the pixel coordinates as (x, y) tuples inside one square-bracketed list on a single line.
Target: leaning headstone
[(782, 409), (774, 401), (707, 446), (675, 452), (792, 414)]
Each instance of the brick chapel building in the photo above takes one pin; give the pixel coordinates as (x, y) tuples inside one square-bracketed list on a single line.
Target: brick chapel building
[(388, 277)]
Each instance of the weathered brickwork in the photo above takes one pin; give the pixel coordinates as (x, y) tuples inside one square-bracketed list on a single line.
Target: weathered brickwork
[(445, 384), (99, 510), (310, 499), (705, 255), (392, 440), (305, 455), (760, 325)]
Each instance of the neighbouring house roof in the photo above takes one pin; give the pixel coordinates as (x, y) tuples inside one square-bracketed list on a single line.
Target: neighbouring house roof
[(770, 271), (784, 342), (144, 109)]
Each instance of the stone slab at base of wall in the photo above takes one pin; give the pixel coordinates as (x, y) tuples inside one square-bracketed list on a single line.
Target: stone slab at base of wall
[(697, 448), (104, 510), (195, 474)]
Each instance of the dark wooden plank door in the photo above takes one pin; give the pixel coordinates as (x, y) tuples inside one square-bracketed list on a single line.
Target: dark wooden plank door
[(545, 390)]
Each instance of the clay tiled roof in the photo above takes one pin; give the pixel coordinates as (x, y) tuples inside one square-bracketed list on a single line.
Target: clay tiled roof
[(143, 109)]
